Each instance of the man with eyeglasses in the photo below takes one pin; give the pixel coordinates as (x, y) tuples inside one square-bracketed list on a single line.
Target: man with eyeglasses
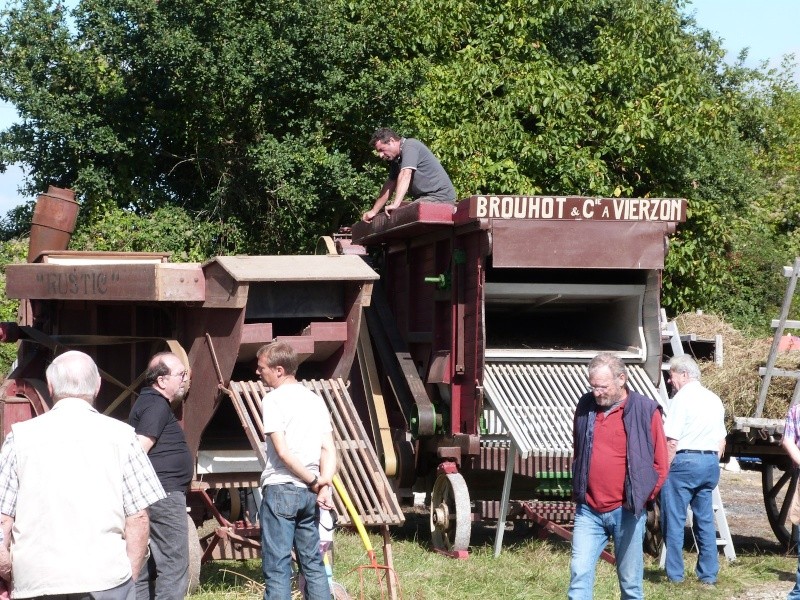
[(165, 575), (620, 463)]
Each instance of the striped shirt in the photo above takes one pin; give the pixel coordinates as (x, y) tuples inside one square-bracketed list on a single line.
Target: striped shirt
[(791, 429)]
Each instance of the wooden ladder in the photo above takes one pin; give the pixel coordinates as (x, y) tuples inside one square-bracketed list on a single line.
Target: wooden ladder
[(780, 325), (669, 329)]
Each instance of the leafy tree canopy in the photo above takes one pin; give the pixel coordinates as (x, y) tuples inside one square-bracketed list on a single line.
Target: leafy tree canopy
[(253, 117), (226, 109)]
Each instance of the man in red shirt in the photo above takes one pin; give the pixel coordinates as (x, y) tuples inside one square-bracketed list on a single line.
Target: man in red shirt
[(620, 464)]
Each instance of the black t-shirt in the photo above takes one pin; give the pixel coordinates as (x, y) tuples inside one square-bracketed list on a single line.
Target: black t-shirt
[(172, 461)]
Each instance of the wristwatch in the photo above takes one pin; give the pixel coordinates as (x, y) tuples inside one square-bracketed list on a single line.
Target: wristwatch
[(313, 481)]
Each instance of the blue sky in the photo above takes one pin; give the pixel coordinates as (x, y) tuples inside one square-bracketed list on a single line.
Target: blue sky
[(767, 27)]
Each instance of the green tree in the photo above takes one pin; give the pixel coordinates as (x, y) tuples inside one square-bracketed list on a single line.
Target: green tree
[(260, 111), (228, 109), (166, 229), (612, 97), (592, 97), (11, 251)]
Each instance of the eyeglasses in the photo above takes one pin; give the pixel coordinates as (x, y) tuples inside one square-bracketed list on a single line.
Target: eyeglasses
[(182, 375), (604, 388), (599, 388)]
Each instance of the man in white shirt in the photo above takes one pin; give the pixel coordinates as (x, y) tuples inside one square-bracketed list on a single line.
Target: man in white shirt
[(301, 462), (695, 430), (44, 461)]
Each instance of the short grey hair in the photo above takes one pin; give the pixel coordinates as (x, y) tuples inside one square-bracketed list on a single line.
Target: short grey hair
[(73, 375), (612, 361), (685, 364)]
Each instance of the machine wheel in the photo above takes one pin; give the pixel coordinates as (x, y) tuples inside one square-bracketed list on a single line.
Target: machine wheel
[(653, 536), (229, 503), (778, 482), (195, 555), (325, 245), (451, 515)]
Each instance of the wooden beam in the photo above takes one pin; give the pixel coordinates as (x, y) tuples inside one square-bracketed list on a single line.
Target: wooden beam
[(106, 281)]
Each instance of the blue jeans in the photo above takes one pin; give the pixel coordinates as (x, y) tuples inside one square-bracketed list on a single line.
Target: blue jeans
[(592, 532), (165, 575), (691, 480), (289, 517)]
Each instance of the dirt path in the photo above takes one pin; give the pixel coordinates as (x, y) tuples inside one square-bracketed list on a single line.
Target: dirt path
[(743, 500)]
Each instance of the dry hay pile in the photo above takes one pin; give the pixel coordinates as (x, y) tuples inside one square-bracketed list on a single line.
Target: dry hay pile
[(737, 381)]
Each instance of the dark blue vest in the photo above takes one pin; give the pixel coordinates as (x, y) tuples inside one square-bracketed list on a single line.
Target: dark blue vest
[(640, 476)]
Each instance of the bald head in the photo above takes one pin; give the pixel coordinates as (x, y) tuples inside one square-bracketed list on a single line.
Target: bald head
[(73, 375)]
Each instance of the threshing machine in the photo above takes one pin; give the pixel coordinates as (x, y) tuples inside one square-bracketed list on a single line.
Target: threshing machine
[(457, 375), (121, 308), (483, 323)]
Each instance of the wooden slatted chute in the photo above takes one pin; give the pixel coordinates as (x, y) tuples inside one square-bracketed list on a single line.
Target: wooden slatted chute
[(359, 467)]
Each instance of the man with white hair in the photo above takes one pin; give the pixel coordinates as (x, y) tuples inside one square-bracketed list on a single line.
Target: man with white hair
[(695, 430), (74, 488)]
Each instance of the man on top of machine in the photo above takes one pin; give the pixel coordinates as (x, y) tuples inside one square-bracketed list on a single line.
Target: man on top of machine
[(413, 170)]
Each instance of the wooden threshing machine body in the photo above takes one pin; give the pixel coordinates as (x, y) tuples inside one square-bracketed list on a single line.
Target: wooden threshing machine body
[(499, 304), (121, 308)]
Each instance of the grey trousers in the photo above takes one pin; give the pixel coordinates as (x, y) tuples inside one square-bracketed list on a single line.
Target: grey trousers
[(165, 574)]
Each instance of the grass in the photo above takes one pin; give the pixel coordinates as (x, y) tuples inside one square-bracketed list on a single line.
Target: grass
[(527, 568)]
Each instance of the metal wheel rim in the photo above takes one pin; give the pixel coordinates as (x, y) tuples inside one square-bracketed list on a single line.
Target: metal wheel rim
[(450, 499)]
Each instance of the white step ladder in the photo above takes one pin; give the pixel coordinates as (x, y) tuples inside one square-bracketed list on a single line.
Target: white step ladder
[(669, 330), (723, 532)]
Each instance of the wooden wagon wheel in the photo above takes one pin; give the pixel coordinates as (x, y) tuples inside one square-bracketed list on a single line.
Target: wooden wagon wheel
[(653, 536), (778, 482)]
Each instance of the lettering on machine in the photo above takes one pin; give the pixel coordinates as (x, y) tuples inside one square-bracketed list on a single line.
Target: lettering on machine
[(77, 283), (577, 208)]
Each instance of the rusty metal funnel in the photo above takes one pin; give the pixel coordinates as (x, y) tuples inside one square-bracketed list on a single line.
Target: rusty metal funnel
[(53, 222)]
